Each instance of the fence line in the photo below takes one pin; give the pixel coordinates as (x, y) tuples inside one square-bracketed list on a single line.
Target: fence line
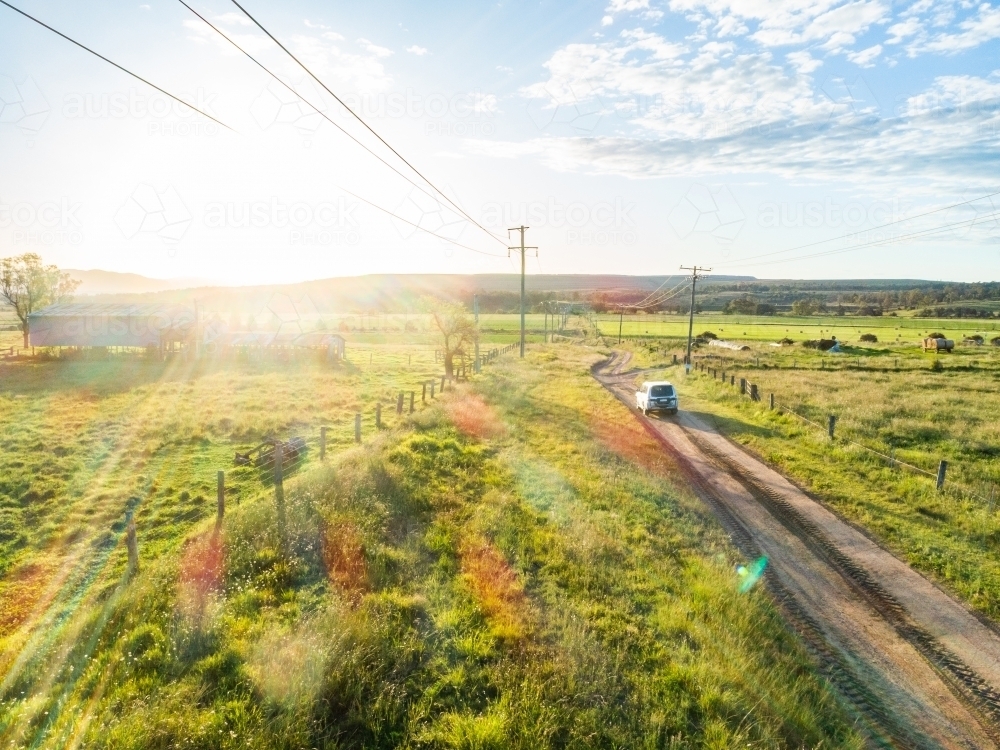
[(747, 388)]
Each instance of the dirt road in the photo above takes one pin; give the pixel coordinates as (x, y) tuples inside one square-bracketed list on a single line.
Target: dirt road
[(915, 665)]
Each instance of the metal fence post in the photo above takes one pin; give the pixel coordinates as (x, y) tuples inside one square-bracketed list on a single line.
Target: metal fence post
[(833, 424), (357, 427), (772, 400)]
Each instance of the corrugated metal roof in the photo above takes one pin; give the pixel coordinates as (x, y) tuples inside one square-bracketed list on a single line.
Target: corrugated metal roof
[(83, 309)]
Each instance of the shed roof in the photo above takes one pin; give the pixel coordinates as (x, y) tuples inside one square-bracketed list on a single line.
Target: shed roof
[(93, 309)]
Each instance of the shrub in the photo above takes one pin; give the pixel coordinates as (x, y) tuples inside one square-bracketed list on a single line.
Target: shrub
[(936, 335), (995, 341), (788, 342), (708, 335), (937, 366), (869, 337)]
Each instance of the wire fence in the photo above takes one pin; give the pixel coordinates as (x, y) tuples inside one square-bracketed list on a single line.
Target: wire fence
[(753, 392)]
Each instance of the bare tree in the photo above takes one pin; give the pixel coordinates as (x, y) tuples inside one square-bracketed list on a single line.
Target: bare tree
[(26, 285), (457, 330)]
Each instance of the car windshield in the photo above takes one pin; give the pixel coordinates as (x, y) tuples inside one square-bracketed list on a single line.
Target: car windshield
[(661, 390)]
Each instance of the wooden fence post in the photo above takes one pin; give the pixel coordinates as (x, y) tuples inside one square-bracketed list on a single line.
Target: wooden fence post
[(132, 543), (675, 359), (399, 403), (754, 395), (357, 427), (772, 400), (743, 386), (322, 443), (732, 380), (833, 424), (220, 491), (378, 416), (942, 470), (432, 389), (412, 394), (423, 395)]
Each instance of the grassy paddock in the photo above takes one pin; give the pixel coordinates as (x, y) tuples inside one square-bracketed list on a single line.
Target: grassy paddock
[(889, 330), (913, 414), (513, 566)]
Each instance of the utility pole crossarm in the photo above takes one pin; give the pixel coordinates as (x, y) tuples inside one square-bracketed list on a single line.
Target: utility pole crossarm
[(696, 272), (522, 249)]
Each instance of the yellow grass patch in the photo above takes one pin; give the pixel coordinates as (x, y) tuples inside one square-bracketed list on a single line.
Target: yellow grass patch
[(344, 557), (496, 587), (473, 417)]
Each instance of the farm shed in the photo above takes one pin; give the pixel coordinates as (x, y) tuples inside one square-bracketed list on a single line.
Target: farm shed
[(84, 325)]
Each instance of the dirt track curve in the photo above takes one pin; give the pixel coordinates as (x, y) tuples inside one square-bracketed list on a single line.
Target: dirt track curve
[(918, 668)]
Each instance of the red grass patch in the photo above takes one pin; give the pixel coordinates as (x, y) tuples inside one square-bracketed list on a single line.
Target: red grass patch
[(344, 557), (21, 595), (473, 417), (625, 437), (201, 570), (496, 588)]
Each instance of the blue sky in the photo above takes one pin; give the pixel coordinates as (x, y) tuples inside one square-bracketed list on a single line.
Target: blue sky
[(773, 139)]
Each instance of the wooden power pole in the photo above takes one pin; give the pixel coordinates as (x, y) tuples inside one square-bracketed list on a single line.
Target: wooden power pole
[(695, 271), (522, 249)]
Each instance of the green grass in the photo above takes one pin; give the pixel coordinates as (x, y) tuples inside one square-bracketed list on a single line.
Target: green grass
[(912, 413), (513, 566), (903, 330)]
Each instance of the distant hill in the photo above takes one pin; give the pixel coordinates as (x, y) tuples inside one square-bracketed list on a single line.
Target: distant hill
[(112, 282)]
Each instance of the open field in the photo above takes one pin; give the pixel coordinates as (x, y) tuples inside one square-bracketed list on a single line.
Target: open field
[(888, 329), (510, 567)]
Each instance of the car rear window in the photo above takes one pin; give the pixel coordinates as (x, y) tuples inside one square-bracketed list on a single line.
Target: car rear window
[(661, 390)]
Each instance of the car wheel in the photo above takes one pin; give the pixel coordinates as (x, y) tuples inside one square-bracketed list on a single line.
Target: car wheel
[(673, 411)]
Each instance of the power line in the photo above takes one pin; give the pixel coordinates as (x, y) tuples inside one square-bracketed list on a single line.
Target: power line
[(362, 121), (111, 62), (316, 109), (417, 226), (873, 229), (653, 293), (661, 298), (874, 243)]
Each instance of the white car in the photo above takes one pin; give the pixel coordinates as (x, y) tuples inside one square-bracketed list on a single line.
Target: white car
[(656, 395)]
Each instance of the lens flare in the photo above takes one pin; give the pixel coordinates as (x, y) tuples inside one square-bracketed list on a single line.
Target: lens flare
[(749, 575)]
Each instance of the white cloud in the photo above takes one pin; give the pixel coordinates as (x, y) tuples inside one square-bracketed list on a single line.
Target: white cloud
[(970, 93), (505, 69), (144, 7), (417, 50), (866, 57), (374, 49), (974, 31)]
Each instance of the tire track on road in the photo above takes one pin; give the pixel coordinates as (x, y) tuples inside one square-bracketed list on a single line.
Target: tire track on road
[(901, 661)]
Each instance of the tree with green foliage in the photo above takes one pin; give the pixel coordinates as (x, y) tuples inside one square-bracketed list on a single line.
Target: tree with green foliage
[(27, 285), (457, 331)]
